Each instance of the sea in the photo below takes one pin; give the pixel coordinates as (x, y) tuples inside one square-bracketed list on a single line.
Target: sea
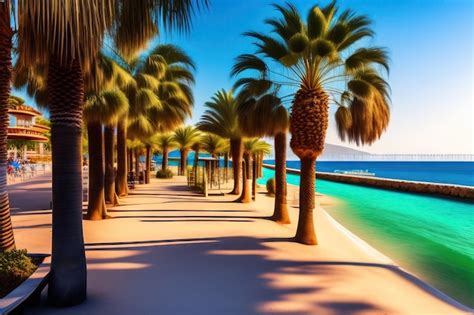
[(431, 237)]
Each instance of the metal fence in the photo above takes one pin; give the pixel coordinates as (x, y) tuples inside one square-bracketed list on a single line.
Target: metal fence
[(25, 171)]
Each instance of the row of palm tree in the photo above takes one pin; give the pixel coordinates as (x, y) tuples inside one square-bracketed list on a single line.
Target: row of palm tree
[(64, 38), (311, 62), (318, 61)]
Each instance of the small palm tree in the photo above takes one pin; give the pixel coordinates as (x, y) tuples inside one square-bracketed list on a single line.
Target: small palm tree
[(136, 149), (185, 137), (165, 143), (214, 145), (253, 150), (324, 61), (151, 147), (221, 118)]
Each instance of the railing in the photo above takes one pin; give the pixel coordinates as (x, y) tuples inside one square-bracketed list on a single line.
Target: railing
[(25, 172)]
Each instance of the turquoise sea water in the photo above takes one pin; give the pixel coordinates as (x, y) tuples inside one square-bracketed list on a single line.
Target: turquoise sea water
[(429, 236)]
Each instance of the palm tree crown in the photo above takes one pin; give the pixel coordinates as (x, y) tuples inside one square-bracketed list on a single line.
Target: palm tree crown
[(213, 144), (165, 141), (318, 53), (257, 146), (221, 116), (185, 137)]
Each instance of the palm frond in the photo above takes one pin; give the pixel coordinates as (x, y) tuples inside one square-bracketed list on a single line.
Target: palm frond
[(221, 116)]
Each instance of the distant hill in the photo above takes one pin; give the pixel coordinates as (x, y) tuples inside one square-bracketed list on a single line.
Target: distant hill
[(334, 149), (330, 151)]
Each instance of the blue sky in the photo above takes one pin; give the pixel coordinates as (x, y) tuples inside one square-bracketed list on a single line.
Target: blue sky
[(431, 49)]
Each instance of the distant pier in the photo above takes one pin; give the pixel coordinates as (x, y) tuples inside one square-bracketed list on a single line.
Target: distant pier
[(436, 189)]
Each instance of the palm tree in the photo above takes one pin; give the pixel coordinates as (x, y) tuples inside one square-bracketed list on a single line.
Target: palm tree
[(185, 137), (151, 147), (162, 97), (215, 146), (7, 240), (253, 149), (66, 37), (102, 108), (136, 148), (165, 143), (324, 61), (263, 114), (221, 118)]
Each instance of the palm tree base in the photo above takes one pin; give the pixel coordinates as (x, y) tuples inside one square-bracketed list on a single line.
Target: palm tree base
[(281, 216), (306, 239)]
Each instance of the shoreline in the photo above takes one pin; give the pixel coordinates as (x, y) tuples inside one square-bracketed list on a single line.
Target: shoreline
[(379, 256), (459, 192)]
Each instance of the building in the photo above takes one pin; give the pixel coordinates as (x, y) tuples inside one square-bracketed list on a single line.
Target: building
[(28, 127)]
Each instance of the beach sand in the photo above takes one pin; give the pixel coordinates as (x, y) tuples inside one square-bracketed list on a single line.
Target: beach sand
[(171, 251)]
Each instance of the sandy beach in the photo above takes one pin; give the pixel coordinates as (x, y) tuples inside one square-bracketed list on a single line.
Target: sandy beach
[(170, 251)]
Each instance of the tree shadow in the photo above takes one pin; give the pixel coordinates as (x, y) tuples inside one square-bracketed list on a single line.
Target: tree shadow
[(226, 275)]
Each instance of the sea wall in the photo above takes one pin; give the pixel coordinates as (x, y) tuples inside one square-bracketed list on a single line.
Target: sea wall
[(437, 189)]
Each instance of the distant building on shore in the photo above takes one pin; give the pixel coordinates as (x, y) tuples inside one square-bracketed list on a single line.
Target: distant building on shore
[(28, 131)]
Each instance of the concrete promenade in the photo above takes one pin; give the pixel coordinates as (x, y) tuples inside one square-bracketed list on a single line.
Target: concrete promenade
[(169, 251)]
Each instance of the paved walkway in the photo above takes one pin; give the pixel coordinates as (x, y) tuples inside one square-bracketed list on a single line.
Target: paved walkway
[(170, 251)]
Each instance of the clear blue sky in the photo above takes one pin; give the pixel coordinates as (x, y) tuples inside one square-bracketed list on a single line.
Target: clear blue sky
[(431, 49)]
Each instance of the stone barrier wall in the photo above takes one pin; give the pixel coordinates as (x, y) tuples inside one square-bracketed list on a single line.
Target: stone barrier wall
[(436, 189)]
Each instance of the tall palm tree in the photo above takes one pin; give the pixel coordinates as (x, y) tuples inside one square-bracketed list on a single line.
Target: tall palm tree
[(185, 137), (323, 59), (105, 103), (102, 108), (66, 36), (165, 143), (221, 118), (7, 240), (262, 113)]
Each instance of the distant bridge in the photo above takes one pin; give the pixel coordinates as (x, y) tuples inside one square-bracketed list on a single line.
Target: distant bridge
[(397, 157)]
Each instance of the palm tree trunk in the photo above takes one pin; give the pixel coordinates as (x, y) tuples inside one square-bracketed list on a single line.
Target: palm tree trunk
[(137, 163), (196, 157), (254, 176), (7, 240), (121, 183), (305, 231), (236, 151), (245, 197), (68, 276), (130, 160), (109, 180), (183, 161), (96, 209), (195, 164), (148, 164), (164, 162), (226, 166), (280, 213)]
